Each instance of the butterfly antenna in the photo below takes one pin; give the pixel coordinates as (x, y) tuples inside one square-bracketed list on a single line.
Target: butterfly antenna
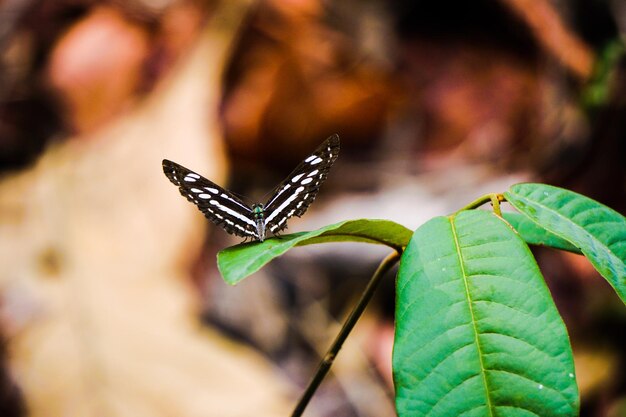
[(275, 189), (243, 198), (270, 192)]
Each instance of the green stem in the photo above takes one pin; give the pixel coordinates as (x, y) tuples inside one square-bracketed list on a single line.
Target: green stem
[(358, 309), (495, 199), (495, 202)]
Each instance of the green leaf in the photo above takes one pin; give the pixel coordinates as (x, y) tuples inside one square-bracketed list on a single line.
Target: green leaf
[(477, 332), (597, 230), (238, 262), (533, 234)]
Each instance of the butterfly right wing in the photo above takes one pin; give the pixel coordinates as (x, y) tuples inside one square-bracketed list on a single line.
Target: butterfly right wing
[(218, 205), (294, 195)]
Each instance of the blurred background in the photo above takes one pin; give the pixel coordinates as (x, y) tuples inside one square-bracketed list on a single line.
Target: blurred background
[(110, 300)]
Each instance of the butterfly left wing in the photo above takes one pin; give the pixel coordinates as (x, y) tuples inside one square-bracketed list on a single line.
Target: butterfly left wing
[(218, 205), (294, 195)]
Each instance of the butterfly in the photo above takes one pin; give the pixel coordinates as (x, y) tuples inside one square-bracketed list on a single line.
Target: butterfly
[(290, 198)]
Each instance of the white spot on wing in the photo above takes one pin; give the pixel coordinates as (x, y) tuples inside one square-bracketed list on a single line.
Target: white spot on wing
[(310, 158), (204, 196), (285, 188), (280, 208), (211, 190), (234, 202), (313, 173), (232, 212), (316, 161), (189, 178), (195, 190), (306, 181), (193, 175), (297, 178)]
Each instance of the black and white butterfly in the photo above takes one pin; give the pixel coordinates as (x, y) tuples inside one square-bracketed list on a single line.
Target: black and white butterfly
[(291, 198)]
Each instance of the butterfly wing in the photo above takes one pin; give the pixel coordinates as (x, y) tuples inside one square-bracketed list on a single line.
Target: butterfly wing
[(218, 205), (294, 195)]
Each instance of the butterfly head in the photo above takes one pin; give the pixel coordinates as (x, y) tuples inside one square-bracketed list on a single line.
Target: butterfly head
[(258, 211)]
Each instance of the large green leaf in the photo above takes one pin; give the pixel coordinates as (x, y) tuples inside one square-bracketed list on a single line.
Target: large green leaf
[(477, 332), (597, 230), (238, 262), (533, 234)]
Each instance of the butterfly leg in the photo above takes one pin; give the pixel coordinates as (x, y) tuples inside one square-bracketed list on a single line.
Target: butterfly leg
[(278, 235)]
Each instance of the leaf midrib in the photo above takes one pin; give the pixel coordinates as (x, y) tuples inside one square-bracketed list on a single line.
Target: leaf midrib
[(473, 318)]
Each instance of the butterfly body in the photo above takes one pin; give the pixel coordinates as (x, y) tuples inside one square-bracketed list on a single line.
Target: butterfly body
[(291, 197), (259, 218)]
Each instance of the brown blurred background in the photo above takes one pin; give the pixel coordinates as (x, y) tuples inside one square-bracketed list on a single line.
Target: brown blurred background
[(110, 301)]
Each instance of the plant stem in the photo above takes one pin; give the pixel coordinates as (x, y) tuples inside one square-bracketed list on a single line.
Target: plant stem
[(358, 309), (495, 199), (495, 202)]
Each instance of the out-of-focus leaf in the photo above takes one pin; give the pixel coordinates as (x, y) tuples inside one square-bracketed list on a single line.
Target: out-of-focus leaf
[(598, 90), (238, 262), (597, 230), (477, 332), (95, 247)]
